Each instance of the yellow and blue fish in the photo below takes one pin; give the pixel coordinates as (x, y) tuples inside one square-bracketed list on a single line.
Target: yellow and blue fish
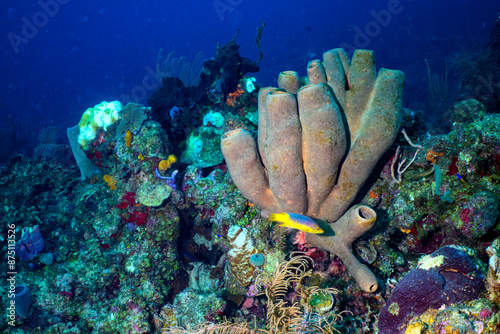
[(296, 221)]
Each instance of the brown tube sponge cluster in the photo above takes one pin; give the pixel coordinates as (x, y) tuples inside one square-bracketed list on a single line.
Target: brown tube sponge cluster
[(318, 145), (317, 148)]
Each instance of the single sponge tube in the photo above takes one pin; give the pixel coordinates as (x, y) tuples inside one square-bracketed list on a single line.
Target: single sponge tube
[(245, 168), (353, 224), (22, 299), (323, 139), (284, 166), (289, 81)]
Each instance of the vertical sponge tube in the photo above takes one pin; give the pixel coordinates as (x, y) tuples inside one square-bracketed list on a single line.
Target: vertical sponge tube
[(289, 81), (353, 224), (262, 129), (283, 151), (316, 72), (362, 75), (336, 64), (377, 130), (247, 172), (323, 142)]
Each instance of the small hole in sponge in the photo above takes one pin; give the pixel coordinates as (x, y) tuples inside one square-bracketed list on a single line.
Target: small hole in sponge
[(231, 133)]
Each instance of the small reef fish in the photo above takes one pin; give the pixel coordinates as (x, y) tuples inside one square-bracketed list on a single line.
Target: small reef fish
[(461, 178), (296, 221)]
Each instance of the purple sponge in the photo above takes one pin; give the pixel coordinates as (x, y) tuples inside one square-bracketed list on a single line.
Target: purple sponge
[(31, 243), (444, 277)]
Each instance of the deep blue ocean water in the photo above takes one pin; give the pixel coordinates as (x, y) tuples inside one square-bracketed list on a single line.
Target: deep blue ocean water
[(60, 57)]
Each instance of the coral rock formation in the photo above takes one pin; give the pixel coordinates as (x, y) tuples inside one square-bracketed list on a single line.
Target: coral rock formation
[(444, 277)]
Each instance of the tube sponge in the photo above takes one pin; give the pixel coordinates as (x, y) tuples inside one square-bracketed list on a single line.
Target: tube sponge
[(289, 81), (22, 298), (331, 134), (317, 148), (284, 165), (353, 224), (241, 154)]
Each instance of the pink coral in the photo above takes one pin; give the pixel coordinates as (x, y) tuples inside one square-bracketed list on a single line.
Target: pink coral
[(248, 303)]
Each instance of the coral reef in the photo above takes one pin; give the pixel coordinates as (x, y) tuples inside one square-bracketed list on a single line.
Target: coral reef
[(203, 145), (241, 249), (460, 203), (177, 107), (138, 241), (493, 278), (478, 316)]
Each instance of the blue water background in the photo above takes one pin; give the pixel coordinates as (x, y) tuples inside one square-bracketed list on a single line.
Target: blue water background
[(90, 51)]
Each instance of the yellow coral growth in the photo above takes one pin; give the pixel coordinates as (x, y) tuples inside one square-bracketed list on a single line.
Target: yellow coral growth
[(232, 97), (165, 164), (432, 155), (111, 181), (128, 138)]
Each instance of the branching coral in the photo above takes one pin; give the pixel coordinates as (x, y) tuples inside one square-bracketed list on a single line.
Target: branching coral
[(296, 315), (179, 68)]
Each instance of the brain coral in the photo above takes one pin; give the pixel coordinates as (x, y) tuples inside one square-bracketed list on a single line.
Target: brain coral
[(444, 277)]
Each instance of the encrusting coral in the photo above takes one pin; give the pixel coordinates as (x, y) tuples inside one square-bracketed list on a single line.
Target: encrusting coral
[(447, 276), (316, 149)]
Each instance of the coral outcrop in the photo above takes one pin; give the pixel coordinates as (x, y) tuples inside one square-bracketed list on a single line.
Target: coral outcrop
[(493, 278), (444, 277), (241, 249), (318, 148), (31, 243)]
